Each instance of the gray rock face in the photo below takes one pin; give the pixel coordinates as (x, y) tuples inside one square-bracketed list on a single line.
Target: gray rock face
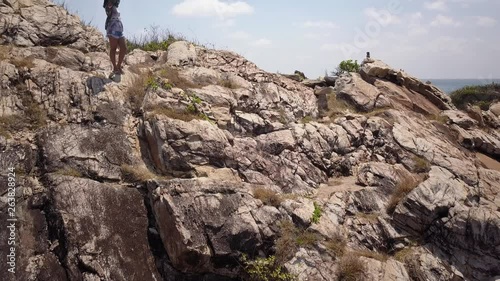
[(91, 236), (204, 223), (94, 153), (431, 201), (378, 69), (24, 23), (495, 109)]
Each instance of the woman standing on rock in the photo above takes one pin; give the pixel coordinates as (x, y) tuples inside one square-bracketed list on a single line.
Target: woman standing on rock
[(114, 31)]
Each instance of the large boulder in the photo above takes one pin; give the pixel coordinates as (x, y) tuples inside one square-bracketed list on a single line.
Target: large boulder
[(99, 236), (205, 224), (25, 23)]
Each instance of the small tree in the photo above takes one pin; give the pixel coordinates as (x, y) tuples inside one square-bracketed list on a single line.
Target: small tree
[(346, 66)]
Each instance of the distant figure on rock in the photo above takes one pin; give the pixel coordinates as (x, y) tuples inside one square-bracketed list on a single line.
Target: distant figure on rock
[(114, 31)]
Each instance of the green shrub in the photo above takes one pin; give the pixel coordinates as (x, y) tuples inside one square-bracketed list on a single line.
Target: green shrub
[(153, 39), (152, 83), (347, 66), (265, 269), (316, 213), (483, 96)]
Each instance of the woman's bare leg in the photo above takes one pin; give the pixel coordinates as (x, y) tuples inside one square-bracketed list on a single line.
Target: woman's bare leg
[(123, 50), (113, 44)]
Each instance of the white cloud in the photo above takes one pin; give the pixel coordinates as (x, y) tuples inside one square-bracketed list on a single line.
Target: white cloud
[(319, 24), (262, 42), (384, 17), (485, 21), (207, 8), (442, 20), (439, 5)]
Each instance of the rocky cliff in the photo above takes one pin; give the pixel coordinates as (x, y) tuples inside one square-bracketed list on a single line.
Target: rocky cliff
[(198, 157)]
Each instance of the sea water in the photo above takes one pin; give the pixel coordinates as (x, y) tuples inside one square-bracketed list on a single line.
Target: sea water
[(450, 85)]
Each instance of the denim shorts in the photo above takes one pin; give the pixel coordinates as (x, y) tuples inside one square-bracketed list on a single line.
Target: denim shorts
[(115, 29)]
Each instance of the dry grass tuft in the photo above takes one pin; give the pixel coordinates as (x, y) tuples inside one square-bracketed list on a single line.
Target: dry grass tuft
[(227, 83), (26, 62), (267, 196), (403, 255), (372, 255), (10, 124), (5, 50), (137, 91), (337, 107), (421, 165), (336, 245), (135, 174), (69, 171), (35, 116), (184, 115), (291, 238), (175, 79), (405, 186), (350, 268), (438, 118), (371, 217)]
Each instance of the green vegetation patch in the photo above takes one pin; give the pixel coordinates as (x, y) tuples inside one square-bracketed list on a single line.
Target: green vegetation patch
[(316, 213), (153, 39), (265, 269), (482, 96)]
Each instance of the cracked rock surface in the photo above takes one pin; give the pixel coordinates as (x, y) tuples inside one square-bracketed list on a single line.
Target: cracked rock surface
[(197, 158)]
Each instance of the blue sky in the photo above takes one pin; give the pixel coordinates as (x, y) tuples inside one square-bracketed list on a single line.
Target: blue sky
[(428, 39)]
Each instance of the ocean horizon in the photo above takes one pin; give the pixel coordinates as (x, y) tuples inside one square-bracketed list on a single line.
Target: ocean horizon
[(450, 85)]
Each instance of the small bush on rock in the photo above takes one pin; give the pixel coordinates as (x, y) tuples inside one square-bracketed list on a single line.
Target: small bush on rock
[(347, 66), (265, 269), (316, 213), (153, 39)]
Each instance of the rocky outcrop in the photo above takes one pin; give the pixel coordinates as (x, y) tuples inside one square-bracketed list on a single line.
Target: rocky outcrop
[(206, 223), (24, 23), (198, 157)]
